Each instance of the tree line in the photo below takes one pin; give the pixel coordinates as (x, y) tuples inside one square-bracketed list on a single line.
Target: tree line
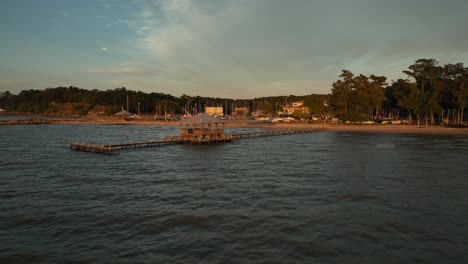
[(431, 94), (45, 101)]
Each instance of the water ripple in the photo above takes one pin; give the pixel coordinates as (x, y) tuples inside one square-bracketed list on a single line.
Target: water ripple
[(325, 197)]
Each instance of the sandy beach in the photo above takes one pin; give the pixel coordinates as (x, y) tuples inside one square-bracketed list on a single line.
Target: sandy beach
[(147, 120), (374, 128)]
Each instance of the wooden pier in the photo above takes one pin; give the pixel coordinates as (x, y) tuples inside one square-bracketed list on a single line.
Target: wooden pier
[(185, 139), (278, 132)]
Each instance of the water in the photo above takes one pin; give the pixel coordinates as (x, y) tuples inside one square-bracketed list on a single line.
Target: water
[(326, 197), (4, 117)]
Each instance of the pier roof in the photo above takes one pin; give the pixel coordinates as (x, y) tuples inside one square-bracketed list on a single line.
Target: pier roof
[(201, 119)]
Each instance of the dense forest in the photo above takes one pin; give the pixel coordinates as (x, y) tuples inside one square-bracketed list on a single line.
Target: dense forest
[(431, 94), (47, 101)]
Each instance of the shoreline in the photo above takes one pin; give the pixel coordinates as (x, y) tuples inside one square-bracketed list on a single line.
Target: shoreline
[(373, 128), (400, 129)]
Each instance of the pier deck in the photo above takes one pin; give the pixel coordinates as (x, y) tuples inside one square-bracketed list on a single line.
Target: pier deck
[(173, 140)]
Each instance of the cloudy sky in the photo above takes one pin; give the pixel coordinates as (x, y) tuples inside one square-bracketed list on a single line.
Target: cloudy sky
[(236, 49)]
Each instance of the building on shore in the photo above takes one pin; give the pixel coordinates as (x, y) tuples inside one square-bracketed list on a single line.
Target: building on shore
[(214, 111), (297, 106), (240, 112)]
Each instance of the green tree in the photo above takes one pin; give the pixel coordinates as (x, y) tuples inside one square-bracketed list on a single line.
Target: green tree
[(424, 71), (455, 76), (426, 74), (408, 97), (342, 93), (378, 92)]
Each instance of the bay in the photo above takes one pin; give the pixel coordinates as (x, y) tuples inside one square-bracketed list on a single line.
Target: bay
[(323, 197)]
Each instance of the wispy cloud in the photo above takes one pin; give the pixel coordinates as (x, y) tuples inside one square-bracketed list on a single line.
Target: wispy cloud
[(232, 48), (130, 69), (249, 47), (119, 22), (220, 47)]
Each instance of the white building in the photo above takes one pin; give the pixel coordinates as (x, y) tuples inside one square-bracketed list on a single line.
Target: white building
[(296, 106), (214, 111)]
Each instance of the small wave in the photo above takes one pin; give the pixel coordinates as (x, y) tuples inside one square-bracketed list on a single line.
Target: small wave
[(312, 249), (368, 236), (415, 232), (7, 196), (75, 179), (386, 146), (357, 197), (187, 220), (38, 220), (12, 163)]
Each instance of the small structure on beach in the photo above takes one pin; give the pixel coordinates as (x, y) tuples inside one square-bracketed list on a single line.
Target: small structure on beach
[(203, 128), (127, 115), (123, 113)]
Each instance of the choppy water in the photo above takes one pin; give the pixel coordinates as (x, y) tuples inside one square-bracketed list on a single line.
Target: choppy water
[(309, 198)]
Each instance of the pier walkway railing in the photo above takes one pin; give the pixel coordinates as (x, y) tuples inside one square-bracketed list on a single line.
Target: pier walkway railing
[(173, 140)]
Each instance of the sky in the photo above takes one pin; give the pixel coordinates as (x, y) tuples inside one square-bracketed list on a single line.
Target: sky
[(217, 48)]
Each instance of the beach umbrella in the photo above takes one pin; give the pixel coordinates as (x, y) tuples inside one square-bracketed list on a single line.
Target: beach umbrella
[(123, 113)]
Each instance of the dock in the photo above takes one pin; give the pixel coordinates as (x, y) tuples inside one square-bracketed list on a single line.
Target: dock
[(278, 132), (111, 149)]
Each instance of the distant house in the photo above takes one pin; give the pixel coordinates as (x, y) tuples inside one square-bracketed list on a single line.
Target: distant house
[(214, 111), (1, 110), (297, 106), (240, 112)]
